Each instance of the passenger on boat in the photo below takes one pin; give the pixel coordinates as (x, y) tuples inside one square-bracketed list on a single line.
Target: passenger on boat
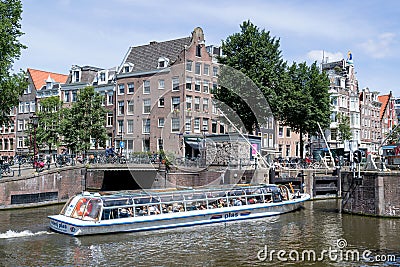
[(221, 203), (170, 209), (252, 200), (238, 202), (123, 213), (142, 211), (153, 210), (164, 208)]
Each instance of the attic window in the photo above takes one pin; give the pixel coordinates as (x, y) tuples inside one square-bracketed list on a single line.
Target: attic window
[(198, 50), (102, 77), (76, 76), (126, 69), (162, 62)]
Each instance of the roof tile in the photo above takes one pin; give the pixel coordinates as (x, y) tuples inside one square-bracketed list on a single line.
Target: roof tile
[(39, 77)]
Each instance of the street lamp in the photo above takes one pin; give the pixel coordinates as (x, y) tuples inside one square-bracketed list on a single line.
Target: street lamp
[(35, 124), (204, 149)]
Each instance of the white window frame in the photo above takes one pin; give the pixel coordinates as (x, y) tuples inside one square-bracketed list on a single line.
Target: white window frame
[(175, 122), (146, 104), (131, 107), (146, 126), (175, 83), (146, 87), (161, 84), (131, 88), (129, 126), (161, 122)]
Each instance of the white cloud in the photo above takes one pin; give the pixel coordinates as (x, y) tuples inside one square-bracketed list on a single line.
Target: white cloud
[(318, 55), (381, 46)]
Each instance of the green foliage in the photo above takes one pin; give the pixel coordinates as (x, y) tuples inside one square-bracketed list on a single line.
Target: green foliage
[(308, 102), (344, 127), (85, 120), (12, 85), (49, 128), (393, 136), (255, 54)]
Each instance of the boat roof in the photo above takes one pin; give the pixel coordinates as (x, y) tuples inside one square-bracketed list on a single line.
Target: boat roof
[(174, 191)]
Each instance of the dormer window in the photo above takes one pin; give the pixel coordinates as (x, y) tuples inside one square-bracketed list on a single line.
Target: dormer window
[(127, 67), (163, 62), (76, 76), (49, 83), (102, 77)]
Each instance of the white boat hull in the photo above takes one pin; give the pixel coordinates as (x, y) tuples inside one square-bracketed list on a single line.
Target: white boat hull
[(76, 227)]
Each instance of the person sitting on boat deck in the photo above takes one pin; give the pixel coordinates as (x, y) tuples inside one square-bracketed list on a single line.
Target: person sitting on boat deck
[(169, 209), (164, 208), (123, 213), (142, 211), (175, 207), (268, 199), (221, 203), (153, 210), (252, 200), (238, 202)]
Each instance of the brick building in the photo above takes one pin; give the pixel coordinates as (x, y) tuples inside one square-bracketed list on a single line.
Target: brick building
[(163, 96)]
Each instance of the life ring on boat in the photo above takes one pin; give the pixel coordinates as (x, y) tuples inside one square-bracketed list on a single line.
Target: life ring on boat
[(284, 192), (83, 207)]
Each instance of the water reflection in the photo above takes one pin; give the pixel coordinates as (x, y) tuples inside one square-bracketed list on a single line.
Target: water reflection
[(26, 241)]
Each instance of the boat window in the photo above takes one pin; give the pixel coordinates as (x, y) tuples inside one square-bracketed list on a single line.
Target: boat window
[(93, 209), (167, 198), (199, 204), (69, 206), (110, 202), (170, 207)]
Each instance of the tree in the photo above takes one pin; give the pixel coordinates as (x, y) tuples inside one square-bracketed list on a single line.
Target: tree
[(307, 103), (85, 121), (49, 127), (255, 54), (344, 127), (12, 85)]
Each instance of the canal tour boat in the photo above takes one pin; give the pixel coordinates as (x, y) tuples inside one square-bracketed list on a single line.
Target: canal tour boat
[(101, 213)]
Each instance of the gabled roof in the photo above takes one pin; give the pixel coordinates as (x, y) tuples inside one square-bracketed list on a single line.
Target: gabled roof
[(145, 57), (39, 77), (384, 99)]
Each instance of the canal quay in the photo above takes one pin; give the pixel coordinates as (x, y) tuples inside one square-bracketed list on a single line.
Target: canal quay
[(331, 230)]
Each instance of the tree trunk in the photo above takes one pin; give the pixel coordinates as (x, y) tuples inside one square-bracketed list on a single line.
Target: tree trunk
[(301, 144)]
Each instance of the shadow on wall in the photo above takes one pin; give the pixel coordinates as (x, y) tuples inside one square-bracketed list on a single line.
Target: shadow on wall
[(119, 180)]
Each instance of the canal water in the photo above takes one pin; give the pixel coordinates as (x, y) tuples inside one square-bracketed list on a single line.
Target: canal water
[(318, 235)]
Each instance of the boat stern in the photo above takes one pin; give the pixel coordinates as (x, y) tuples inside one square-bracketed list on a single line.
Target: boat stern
[(59, 226)]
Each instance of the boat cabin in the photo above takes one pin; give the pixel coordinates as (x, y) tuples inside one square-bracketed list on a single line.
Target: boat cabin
[(99, 207)]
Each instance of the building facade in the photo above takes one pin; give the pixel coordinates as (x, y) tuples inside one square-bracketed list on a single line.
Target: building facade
[(388, 117), (37, 80), (164, 96), (344, 102), (370, 120)]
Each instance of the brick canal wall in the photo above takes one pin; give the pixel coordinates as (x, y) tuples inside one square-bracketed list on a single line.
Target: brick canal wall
[(53, 186), (377, 193)]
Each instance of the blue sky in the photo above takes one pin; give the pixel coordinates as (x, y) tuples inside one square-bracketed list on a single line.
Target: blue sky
[(62, 33)]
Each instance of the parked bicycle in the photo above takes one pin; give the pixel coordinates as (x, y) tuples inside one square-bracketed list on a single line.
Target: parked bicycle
[(6, 169), (62, 160)]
